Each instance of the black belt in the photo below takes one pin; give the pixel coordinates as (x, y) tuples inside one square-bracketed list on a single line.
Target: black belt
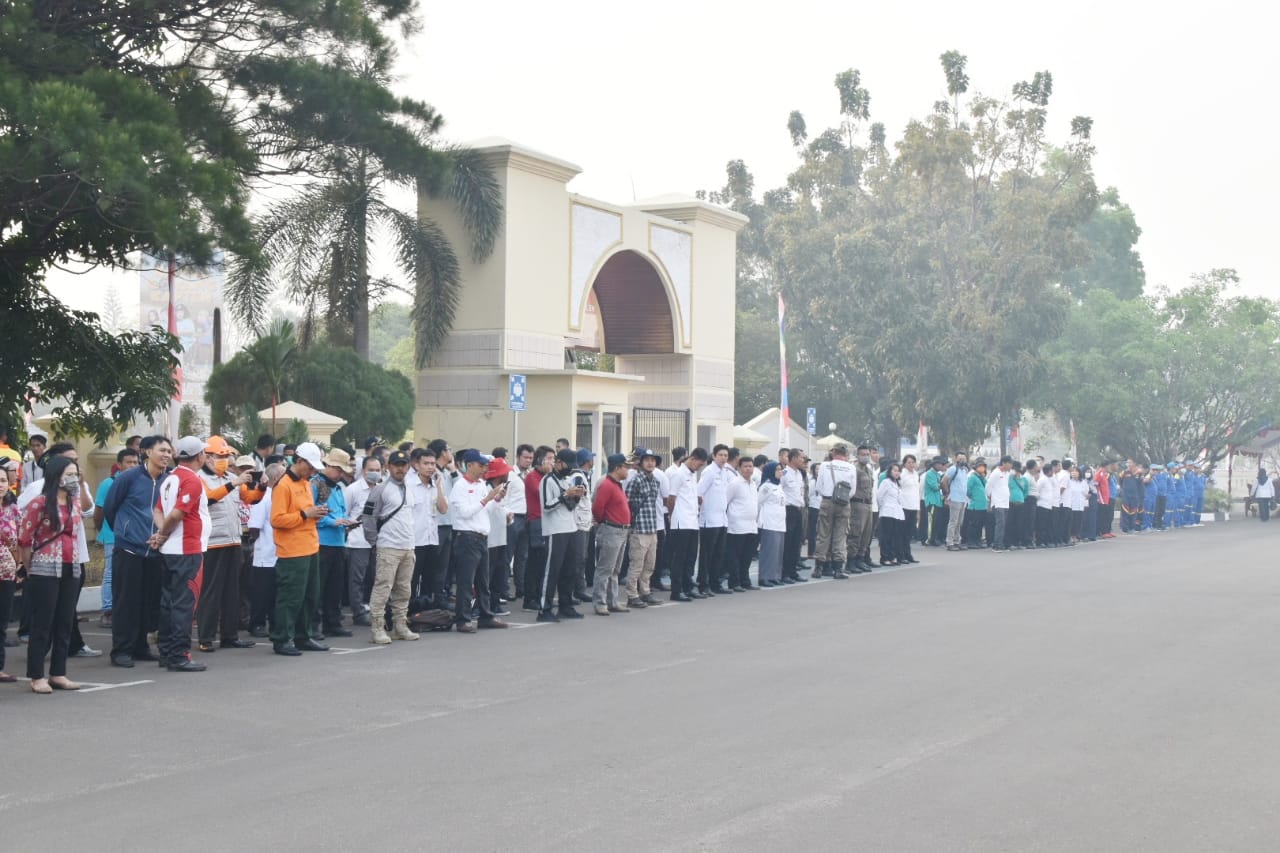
[(471, 533), (518, 514), (615, 524), (861, 501)]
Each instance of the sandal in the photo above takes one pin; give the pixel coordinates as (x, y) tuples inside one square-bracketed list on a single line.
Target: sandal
[(207, 647), (41, 686), (6, 678), (64, 684)]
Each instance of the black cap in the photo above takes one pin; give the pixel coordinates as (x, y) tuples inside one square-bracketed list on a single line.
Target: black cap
[(568, 457), (398, 457), (616, 459)]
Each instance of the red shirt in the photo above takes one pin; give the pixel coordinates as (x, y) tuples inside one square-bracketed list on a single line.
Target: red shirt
[(533, 503), (610, 504)]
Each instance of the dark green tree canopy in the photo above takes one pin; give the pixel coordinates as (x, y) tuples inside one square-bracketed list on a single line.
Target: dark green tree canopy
[(142, 126), (372, 399), (1111, 237)]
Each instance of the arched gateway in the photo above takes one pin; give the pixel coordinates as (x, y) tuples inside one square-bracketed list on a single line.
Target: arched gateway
[(621, 318)]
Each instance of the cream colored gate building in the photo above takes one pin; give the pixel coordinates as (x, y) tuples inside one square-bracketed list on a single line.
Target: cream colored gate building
[(621, 317)]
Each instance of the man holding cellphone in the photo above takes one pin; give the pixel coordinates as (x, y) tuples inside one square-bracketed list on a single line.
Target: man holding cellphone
[(293, 519), (470, 501)]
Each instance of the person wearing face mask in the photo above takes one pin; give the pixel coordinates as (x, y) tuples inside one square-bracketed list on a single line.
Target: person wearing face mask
[(47, 543), (955, 485), (359, 550), (329, 489), (430, 504), (218, 608)]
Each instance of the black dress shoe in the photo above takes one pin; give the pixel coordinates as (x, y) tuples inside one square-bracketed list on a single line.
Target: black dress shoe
[(547, 616), (869, 563), (237, 644), (798, 579), (707, 593), (337, 631), (569, 613), (125, 661), (723, 590), (146, 656), (698, 595), (680, 596), (583, 597), (287, 649), (185, 665), (310, 645)]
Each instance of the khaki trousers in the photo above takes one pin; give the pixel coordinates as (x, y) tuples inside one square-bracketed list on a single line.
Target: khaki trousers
[(392, 578), (833, 527), (859, 538), (644, 554)]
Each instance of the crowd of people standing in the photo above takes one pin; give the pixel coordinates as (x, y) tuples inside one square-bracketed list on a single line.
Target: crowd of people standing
[(287, 543)]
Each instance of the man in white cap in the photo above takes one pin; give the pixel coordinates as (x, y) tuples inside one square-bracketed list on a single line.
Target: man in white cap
[(329, 487), (293, 523), (182, 534)]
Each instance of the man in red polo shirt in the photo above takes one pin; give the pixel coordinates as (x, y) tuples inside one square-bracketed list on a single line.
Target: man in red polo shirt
[(182, 534), (612, 514)]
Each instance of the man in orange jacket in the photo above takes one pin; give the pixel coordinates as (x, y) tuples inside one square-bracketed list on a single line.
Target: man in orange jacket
[(293, 520)]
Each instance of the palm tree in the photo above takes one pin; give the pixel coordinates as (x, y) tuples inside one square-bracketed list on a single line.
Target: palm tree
[(273, 352), (319, 240)]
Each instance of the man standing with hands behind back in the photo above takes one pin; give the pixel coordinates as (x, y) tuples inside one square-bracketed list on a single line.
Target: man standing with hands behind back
[(293, 521), (183, 510)]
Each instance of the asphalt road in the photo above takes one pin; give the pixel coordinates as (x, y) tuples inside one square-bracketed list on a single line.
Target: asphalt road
[(1117, 696)]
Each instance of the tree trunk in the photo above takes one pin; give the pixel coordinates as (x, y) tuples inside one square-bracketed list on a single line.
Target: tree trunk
[(361, 261)]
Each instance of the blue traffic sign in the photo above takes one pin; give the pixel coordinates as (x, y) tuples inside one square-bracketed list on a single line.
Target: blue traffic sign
[(517, 388), (811, 422)]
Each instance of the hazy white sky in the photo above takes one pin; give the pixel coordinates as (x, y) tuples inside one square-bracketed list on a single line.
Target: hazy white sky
[(661, 95)]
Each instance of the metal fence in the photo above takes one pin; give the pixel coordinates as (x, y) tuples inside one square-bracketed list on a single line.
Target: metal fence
[(660, 430)]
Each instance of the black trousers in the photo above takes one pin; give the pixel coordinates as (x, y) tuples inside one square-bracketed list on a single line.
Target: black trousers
[(683, 548), (333, 578), (498, 570), (443, 575), (1062, 524), (1044, 525), (135, 600), (180, 588), (793, 541), (1029, 522), (52, 605), (907, 535), (811, 530), (536, 566), (741, 548), (262, 596), (559, 574), (936, 518), (1162, 501), (662, 562), (219, 605), (711, 553), (581, 562), (975, 523), (471, 567), (1013, 525), (518, 550), (891, 534), (1077, 523), (424, 558)]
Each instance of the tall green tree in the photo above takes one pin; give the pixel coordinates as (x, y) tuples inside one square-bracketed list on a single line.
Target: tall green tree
[(319, 241), (921, 283), (1167, 375), (129, 127)]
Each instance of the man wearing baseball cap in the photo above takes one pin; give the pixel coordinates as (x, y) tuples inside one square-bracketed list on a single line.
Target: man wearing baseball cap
[(328, 487), (643, 494), (559, 497), (293, 519), (182, 509), (218, 609), (469, 502), (612, 515), (388, 523)]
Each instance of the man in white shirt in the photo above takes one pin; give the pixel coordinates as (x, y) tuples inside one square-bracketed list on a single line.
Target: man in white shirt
[(430, 503), (713, 523), (836, 483), (793, 493), (359, 551), (998, 499), (662, 567), (682, 539), (262, 595), (582, 556), (469, 502)]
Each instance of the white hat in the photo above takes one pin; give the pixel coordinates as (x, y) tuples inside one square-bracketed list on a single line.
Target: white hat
[(309, 452), (189, 447)]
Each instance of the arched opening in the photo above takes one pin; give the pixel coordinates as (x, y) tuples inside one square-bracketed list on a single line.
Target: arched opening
[(634, 311)]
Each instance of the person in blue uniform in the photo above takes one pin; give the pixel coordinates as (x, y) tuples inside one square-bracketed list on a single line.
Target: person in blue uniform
[(1160, 482), (1149, 488)]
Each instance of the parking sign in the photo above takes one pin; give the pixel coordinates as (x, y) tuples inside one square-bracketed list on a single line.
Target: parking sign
[(516, 401)]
